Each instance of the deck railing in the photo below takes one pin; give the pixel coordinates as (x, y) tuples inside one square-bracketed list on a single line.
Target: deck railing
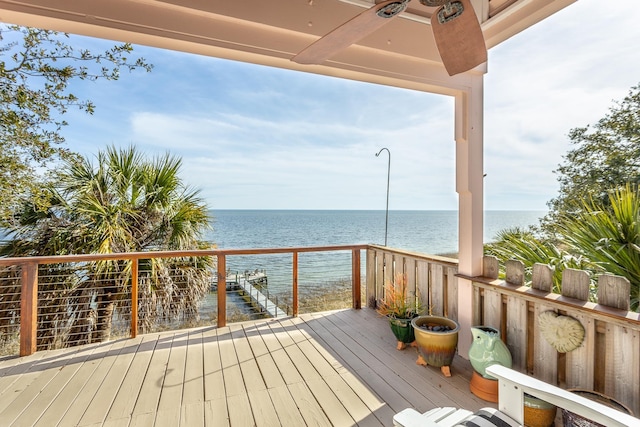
[(431, 278), (42, 301), (607, 361)]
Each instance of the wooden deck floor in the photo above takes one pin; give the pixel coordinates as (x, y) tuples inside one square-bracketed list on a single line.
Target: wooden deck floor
[(337, 368)]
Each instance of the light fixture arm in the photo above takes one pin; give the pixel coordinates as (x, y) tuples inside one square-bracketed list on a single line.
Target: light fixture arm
[(386, 223)]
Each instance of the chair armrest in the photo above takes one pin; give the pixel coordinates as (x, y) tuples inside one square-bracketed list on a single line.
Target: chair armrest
[(513, 384)]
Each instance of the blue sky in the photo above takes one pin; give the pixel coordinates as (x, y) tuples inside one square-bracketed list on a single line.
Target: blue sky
[(253, 137)]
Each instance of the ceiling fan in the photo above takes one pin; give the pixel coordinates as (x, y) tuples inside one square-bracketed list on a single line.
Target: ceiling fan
[(455, 27)]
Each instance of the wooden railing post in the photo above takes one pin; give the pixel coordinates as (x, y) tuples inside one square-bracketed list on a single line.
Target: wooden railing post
[(134, 297), (355, 279), (29, 309), (222, 291), (295, 284)]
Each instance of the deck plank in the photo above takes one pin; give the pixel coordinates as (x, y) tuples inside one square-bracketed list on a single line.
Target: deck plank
[(285, 406), (146, 404), (214, 388), (169, 411), (57, 406), (20, 389), (264, 412), (124, 402), (193, 391), (321, 369), (107, 392), (91, 385), (309, 407), (216, 413), (33, 410)]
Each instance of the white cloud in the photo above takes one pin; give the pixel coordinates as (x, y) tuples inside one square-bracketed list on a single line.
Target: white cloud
[(258, 137)]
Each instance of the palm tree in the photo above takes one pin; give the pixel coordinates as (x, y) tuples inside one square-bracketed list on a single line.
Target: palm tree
[(609, 235), (124, 203)]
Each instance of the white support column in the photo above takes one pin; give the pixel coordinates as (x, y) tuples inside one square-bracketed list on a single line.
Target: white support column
[(469, 186)]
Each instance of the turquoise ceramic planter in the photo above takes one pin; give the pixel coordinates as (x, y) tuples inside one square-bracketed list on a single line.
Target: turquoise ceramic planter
[(488, 349)]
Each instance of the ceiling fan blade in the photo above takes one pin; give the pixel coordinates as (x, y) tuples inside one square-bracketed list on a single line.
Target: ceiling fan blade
[(350, 32), (458, 37)]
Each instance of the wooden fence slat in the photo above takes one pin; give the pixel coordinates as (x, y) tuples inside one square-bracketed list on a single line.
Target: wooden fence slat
[(542, 277), (622, 367), (452, 293), (575, 284), (436, 289), (423, 284), (380, 260), (492, 309), (545, 357), (409, 271), (389, 269), (614, 291), (371, 278), (514, 272), (490, 267), (516, 338), (580, 363)]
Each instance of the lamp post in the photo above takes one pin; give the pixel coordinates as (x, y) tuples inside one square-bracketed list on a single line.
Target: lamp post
[(386, 223)]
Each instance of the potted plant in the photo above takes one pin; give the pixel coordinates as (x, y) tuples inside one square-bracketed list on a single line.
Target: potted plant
[(437, 341), (400, 306)]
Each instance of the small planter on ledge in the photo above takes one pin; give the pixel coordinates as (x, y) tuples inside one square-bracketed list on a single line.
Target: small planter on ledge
[(437, 340)]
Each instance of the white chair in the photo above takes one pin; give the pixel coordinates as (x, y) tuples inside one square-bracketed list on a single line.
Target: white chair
[(512, 386)]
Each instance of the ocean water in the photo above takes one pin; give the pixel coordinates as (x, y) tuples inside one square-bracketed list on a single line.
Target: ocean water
[(428, 232), (431, 232)]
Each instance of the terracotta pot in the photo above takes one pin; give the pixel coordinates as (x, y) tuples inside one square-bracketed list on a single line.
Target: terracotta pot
[(484, 388), (437, 348)]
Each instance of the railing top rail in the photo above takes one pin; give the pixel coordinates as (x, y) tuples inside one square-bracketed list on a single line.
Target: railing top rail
[(169, 254), (530, 294), (440, 259)]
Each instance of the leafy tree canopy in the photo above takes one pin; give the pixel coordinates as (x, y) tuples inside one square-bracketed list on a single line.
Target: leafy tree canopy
[(606, 156), (36, 68)]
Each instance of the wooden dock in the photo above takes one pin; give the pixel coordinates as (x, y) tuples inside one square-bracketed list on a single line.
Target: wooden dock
[(246, 283)]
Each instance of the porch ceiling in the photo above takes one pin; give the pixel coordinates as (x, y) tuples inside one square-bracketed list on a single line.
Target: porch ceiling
[(401, 54)]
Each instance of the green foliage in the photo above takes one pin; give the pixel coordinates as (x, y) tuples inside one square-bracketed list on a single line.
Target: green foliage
[(605, 157), (609, 235), (397, 301), (123, 203), (523, 245), (36, 68)]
